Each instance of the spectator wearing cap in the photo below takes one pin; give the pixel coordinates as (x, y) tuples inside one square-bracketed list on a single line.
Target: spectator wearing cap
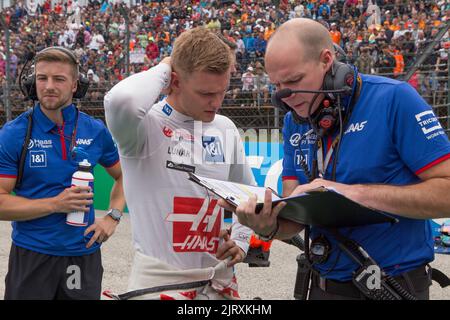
[(240, 50), (260, 45), (94, 94), (248, 84), (92, 77), (335, 34)]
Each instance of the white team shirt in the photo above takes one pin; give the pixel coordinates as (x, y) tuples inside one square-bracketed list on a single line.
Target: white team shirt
[(173, 219)]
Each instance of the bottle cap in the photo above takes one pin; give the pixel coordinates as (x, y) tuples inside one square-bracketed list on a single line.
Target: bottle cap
[(84, 165)]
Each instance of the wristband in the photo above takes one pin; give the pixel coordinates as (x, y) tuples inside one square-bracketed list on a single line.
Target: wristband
[(271, 235)]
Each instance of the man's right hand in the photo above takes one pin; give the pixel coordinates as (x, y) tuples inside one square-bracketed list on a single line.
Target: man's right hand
[(73, 199), (166, 60), (263, 223)]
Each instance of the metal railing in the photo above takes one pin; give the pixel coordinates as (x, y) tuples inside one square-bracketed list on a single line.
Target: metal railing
[(252, 108)]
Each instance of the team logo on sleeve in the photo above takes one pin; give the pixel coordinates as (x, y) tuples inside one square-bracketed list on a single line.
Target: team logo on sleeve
[(196, 224), (213, 150), (429, 124)]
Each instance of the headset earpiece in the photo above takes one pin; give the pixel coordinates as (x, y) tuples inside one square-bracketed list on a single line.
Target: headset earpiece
[(29, 87), (82, 86), (340, 76)]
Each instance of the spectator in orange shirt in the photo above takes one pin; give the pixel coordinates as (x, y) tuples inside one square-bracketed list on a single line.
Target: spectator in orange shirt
[(335, 34), (395, 26), (399, 62), (269, 31)]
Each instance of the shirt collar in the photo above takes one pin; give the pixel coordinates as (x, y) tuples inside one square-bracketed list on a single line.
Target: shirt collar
[(46, 125), (169, 111)]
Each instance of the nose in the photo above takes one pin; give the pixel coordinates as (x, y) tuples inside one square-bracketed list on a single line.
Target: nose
[(49, 84), (217, 100)]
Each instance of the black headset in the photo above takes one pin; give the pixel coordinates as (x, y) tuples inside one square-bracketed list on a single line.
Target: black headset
[(337, 81), (337, 84), (28, 82)]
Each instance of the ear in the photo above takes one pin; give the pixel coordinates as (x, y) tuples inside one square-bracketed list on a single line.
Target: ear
[(175, 80), (326, 59), (75, 86)]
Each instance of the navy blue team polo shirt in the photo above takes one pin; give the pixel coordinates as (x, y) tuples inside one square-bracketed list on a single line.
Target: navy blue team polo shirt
[(391, 137), (48, 171)]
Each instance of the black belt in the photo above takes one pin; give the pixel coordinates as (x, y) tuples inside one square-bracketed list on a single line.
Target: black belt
[(416, 280)]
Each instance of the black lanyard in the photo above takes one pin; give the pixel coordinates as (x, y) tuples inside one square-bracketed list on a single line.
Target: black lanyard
[(26, 142)]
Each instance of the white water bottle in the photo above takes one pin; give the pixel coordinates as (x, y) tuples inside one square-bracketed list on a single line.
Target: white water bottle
[(82, 177)]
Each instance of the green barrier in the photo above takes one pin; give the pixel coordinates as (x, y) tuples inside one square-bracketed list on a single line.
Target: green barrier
[(103, 183)]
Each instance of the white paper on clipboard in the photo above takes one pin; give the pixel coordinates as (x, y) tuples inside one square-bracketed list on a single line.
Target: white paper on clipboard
[(236, 193)]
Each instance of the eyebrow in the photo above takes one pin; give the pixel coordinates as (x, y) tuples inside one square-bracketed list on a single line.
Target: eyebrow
[(54, 76)]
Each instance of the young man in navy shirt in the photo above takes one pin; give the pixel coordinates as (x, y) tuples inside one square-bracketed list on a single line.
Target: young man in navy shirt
[(49, 258), (394, 157)]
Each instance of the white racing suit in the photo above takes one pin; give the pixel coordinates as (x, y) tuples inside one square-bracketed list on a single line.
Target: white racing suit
[(175, 222)]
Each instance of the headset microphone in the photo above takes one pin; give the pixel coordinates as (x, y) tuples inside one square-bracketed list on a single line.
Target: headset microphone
[(284, 93)]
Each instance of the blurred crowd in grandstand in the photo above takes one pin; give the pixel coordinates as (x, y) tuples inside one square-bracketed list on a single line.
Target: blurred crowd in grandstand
[(378, 36)]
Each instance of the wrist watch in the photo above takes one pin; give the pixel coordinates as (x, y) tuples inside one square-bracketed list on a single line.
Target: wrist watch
[(116, 214)]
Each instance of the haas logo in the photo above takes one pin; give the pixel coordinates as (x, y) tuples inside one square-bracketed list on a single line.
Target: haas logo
[(167, 132), (196, 224), (356, 127)]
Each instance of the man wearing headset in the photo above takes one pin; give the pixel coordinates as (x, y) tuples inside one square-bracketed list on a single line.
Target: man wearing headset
[(394, 157), (49, 258)]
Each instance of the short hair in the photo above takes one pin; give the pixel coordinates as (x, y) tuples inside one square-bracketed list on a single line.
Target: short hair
[(56, 54), (199, 49)]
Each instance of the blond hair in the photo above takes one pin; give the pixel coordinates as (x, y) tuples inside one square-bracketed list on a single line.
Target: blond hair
[(58, 54), (199, 49)]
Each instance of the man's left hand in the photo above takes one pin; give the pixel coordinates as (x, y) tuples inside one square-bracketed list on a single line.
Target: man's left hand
[(349, 191), (229, 249), (103, 228)]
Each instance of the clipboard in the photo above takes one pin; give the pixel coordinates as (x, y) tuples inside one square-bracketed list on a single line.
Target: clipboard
[(319, 207), (233, 193)]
